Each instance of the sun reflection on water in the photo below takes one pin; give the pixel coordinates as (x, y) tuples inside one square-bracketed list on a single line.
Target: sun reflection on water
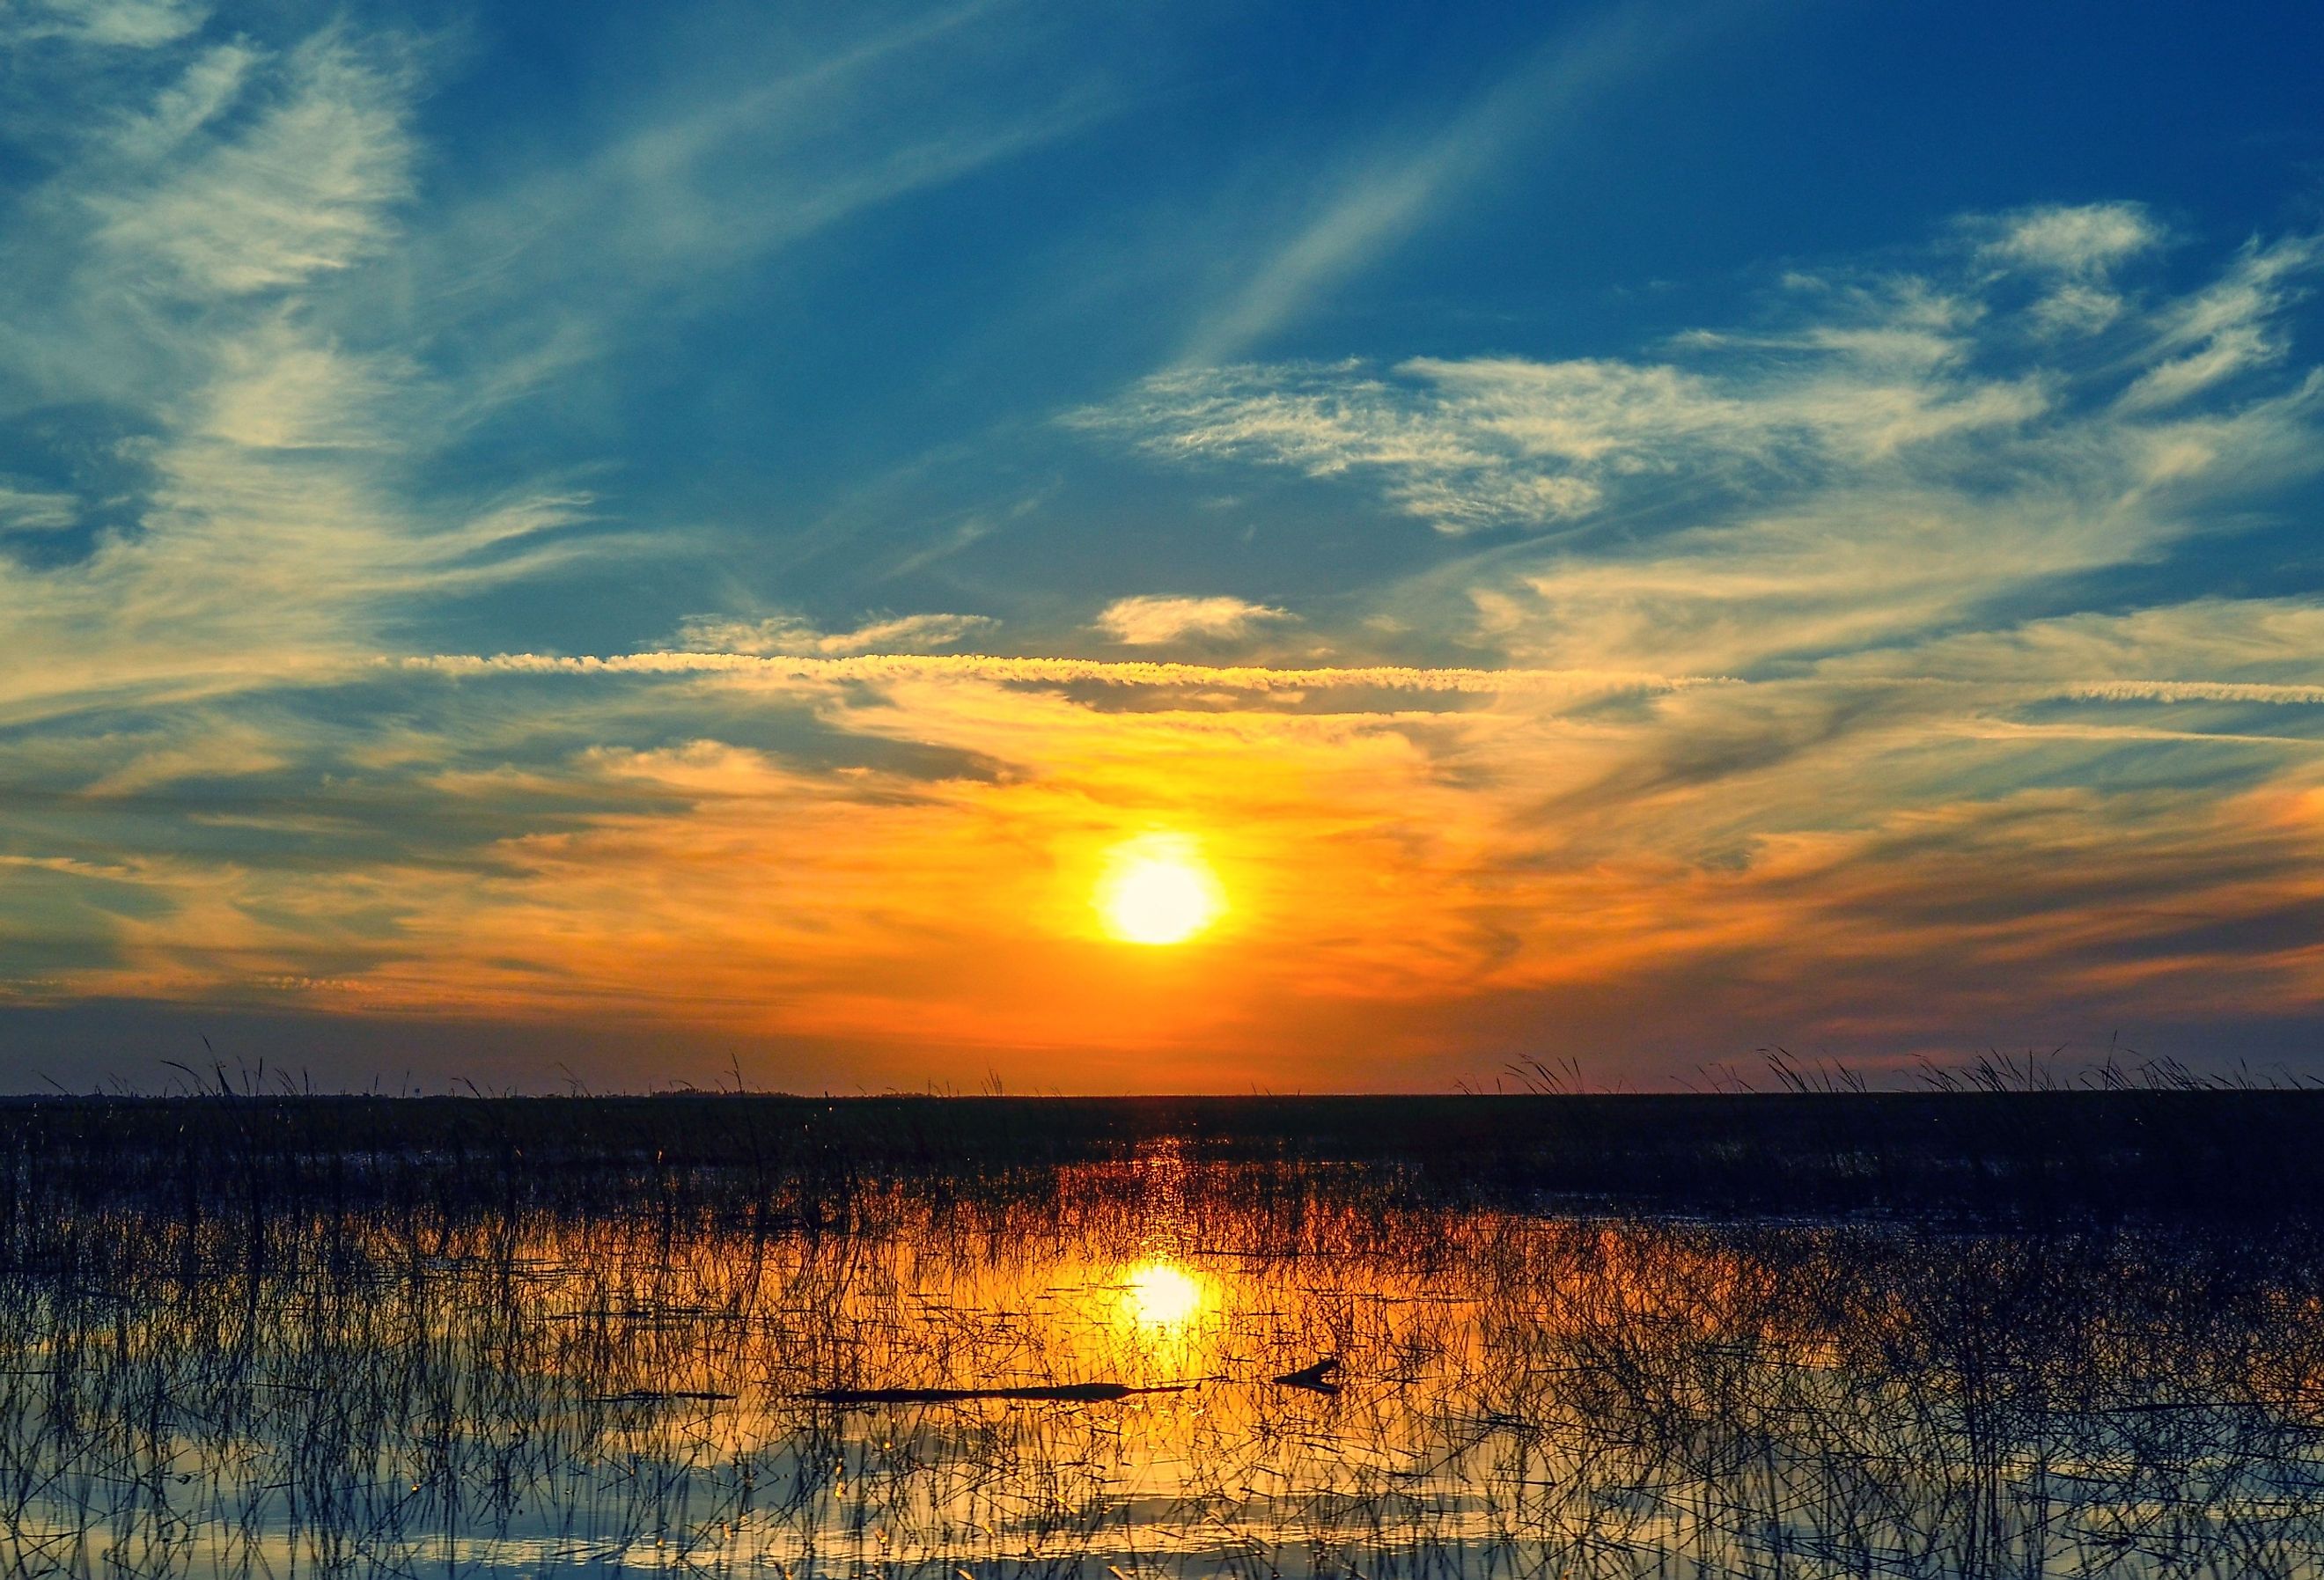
[(1114, 1387), (1161, 1295)]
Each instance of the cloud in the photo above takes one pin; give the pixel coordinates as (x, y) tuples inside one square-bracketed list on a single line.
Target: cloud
[(1884, 460), (210, 85), (789, 634), (306, 188), (2011, 681), (1042, 671), (2230, 327), (2073, 253), (1497, 442), (122, 23), (770, 137), (1818, 836), (36, 510), (1860, 675), (1381, 198), (1151, 619), (1814, 850), (2088, 240), (255, 470)]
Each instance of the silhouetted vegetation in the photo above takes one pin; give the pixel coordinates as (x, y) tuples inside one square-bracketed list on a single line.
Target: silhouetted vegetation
[(1931, 1334), (2235, 1153)]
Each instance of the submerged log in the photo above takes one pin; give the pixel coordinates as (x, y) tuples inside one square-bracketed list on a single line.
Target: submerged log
[(657, 1396), (1312, 1377), (1070, 1392)]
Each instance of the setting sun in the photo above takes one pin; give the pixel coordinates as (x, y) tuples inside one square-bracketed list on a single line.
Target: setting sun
[(1158, 889)]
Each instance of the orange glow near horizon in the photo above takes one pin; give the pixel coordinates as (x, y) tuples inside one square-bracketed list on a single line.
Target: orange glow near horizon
[(1158, 889)]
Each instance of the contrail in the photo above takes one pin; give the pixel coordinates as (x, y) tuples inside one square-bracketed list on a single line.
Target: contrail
[(1147, 672), (1059, 671)]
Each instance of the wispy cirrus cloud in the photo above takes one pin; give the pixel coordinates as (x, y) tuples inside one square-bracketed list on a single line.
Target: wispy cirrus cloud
[(248, 484), (2072, 253), (1358, 213), (1880, 511), (309, 186), (1154, 619), (2234, 325), (1884, 460), (1822, 686), (776, 137), (253, 336), (793, 634), (2082, 241), (117, 23), (37, 510), (1500, 442)]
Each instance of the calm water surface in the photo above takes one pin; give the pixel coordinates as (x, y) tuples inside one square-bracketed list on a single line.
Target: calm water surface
[(1517, 1393)]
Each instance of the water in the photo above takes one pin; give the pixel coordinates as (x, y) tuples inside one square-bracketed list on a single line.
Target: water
[(625, 1384)]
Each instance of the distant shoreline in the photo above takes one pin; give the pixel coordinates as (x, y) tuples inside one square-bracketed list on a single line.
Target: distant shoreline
[(2026, 1156)]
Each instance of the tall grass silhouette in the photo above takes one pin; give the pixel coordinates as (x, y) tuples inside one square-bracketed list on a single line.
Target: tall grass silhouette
[(245, 1336)]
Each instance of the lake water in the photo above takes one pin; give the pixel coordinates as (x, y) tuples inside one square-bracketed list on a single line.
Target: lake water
[(630, 1385)]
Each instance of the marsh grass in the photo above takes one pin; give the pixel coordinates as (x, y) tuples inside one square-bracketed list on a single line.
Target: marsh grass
[(255, 1336)]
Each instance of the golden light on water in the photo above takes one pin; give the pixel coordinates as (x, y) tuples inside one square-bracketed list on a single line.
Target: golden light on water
[(1162, 1295), (1157, 888)]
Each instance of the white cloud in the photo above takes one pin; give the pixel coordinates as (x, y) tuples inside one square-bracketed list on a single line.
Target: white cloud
[(1492, 442), (1890, 461), (2073, 252), (1377, 203), (1789, 697), (36, 510), (1151, 619), (225, 261), (125, 23), (209, 87), (768, 141), (2088, 240), (305, 190), (263, 521), (789, 634), (2229, 329)]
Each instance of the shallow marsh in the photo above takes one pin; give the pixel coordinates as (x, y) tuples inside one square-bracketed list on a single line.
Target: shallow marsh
[(617, 1375)]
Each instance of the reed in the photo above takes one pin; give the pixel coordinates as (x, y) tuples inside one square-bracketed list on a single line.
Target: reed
[(743, 1337)]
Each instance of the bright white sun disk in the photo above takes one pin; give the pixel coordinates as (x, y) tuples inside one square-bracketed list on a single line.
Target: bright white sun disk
[(1158, 889)]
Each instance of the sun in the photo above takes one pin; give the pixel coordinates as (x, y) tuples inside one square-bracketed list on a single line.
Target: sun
[(1157, 888)]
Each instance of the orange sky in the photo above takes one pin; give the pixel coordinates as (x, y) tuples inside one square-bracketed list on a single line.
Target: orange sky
[(539, 552), (1412, 894)]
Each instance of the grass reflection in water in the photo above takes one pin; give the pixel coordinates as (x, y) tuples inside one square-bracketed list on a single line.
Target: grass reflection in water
[(626, 1385)]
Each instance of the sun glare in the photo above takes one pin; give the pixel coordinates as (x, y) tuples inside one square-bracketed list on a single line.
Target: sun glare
[(1158, 889), (1159, 1294)]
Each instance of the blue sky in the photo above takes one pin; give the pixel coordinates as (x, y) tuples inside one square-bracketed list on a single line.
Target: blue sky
[(624, 540)]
